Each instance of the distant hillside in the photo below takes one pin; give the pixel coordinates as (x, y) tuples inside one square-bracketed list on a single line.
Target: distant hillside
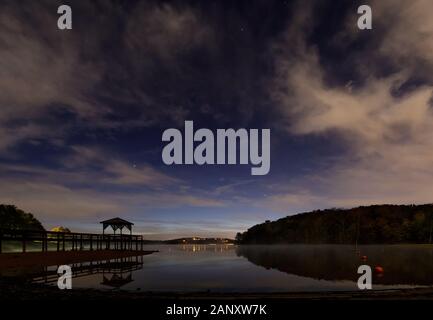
[(368, 225), (13, 218), (193, 240), (197, 240)]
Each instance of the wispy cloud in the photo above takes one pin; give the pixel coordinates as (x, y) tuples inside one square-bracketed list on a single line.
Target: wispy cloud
[(146, 65), (45, 73), (89, 184), (385, 125), (164, 31)]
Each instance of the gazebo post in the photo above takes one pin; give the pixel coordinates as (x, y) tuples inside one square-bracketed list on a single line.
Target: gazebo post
[(121, 240), (103, 237)]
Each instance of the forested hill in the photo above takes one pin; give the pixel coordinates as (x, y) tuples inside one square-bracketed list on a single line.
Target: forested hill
[(371, 224), (13, 218)]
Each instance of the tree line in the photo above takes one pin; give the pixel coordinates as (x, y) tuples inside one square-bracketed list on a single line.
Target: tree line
[(363, 225)]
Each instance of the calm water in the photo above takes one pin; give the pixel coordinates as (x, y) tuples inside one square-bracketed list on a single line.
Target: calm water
[(261, 268)]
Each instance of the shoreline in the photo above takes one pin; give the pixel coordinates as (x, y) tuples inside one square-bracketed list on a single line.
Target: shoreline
[(37, 292), (44, 259)]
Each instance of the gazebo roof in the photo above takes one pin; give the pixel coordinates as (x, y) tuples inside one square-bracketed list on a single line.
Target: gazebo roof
[(117, 221), (116, 281)]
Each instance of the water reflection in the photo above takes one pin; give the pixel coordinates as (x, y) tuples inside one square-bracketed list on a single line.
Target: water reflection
[(402, 264), (206, 247), (117, 280), (114, 273), (229, 268)]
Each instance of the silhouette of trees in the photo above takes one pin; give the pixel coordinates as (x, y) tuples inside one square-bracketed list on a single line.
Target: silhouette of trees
[(363, 225), (13, 218)]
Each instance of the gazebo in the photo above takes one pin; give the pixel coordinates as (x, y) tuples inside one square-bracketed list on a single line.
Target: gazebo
[(117, 224)]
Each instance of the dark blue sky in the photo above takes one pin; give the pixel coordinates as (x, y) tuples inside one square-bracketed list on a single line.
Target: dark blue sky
[(83, 110)]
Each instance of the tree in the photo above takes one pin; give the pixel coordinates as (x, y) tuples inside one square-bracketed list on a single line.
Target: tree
[(363, 225), (15, 219)]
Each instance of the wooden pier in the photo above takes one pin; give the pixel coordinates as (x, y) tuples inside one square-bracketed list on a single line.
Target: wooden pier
[(70, 241)]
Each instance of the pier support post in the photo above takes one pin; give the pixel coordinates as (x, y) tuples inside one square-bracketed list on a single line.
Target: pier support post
[(23, 235), (58, 242), (45, 242)]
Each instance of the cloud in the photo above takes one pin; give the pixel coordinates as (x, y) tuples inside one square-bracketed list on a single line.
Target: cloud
[(165, 31), (63, 86), (89, 184), (41, 69), (165, 63), (408, 38), (55, 82), (112, 170), (53, 201), (232, 187), (384, 124)]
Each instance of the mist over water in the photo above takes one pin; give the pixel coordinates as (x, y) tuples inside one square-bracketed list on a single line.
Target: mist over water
[(268, 268)]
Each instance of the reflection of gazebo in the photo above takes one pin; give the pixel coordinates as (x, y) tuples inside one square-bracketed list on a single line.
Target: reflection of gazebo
[(116, 280), (121, 270), (116, 224)]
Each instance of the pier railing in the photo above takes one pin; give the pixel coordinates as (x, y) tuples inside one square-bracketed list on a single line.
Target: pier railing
[(67, 241)]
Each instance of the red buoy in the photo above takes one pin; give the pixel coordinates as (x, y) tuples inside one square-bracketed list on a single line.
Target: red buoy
[(378, 269)]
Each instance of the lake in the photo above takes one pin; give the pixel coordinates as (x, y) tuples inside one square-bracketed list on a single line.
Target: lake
[(270, 268)]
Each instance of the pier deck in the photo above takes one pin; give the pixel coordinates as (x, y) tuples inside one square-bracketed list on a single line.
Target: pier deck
[(46, 241)]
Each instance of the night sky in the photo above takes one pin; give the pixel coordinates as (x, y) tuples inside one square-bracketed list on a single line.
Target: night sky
[(82, 111)]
